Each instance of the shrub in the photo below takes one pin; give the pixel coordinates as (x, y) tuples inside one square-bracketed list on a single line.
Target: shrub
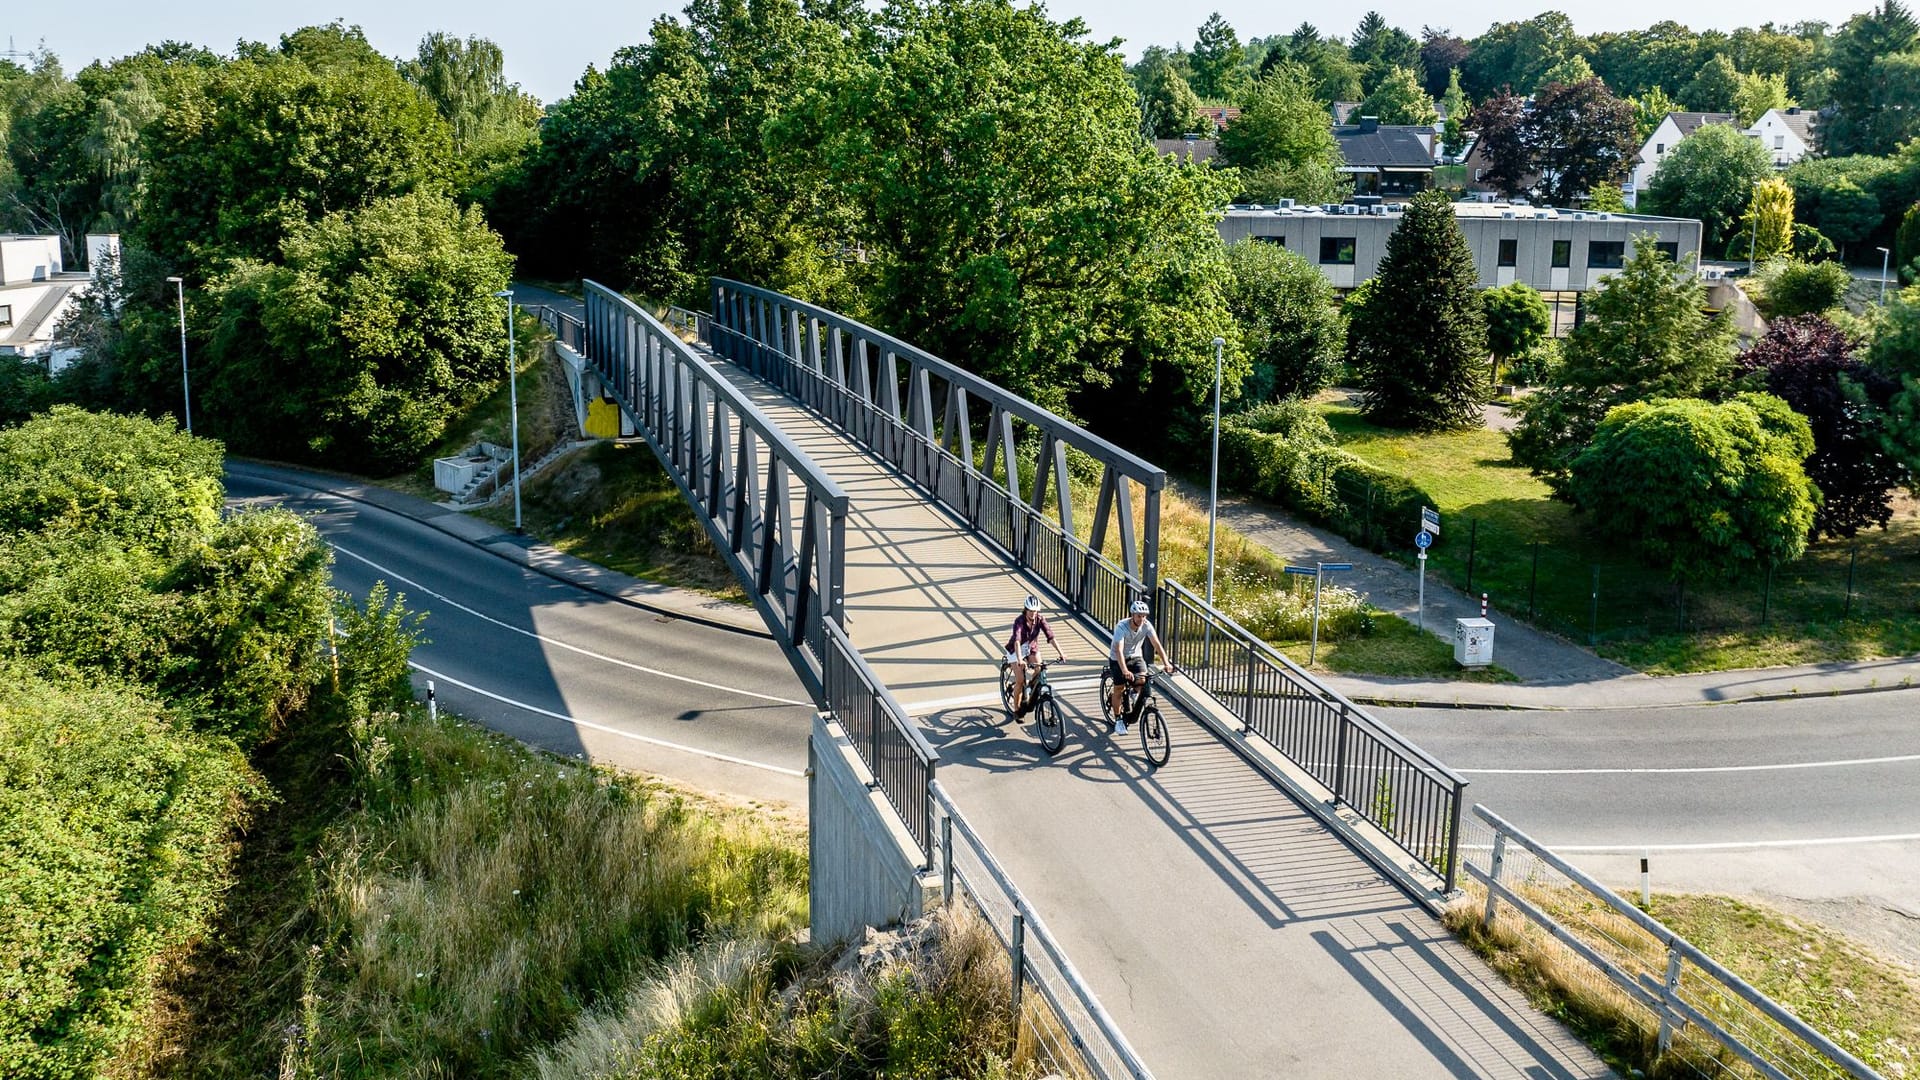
[(135, 480), (1289, 321), (1294, 419), (1535, 367), (1794, 288), (114, 846), (1316, 479)]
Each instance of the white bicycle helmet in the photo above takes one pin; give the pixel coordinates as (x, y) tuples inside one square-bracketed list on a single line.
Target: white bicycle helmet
[(1033, 603), (1139, 608)]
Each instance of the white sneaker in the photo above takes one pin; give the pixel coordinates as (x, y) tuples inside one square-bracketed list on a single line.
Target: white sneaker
[(1120, 726)]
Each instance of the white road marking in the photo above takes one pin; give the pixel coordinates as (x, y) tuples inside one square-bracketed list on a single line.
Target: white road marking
[(449, 601), (1737, 845), (577, 722), (1694, 769)]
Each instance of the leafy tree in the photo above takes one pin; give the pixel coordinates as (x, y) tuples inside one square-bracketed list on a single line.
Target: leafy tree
[(1453, 137), (1607, 198), (1422, 335), (1795, 288), (1517, 320), (1837, 195), (1217, 55), (376, 326), (1811, 365), (124, 480), (1289, 321), (1441, 54), (1906, 244), (492, 121), (1282, 134), (1381, 49), (1013, 217), (1649, 109), (1169, 107), (1710, 175), (1895, 354), (222, 183), (1454, 99), (25, 389), (1634, 62), (1398, 99), (1503, 125), (1646, 335), (1857, 125), (1701, 488), (1767, 226), (1578, 135), (1518, 53), (1756, 95), (1574, 69), (1714, 87)]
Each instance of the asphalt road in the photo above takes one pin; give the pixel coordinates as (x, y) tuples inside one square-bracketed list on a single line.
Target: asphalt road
[(570, 670), (1814, 800)]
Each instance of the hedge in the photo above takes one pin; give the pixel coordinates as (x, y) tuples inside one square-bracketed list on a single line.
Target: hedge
[(1323, 483)]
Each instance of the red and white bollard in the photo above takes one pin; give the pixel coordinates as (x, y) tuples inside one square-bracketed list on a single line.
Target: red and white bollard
[(1483, 605)]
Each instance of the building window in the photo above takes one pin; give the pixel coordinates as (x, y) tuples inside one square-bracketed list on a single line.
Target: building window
[(1671, 251), (1509, 252), (1336, 250), (1562, 254), (1606, 254), (6, 314), (1659, 148), (1280, 240), (1779, 142)]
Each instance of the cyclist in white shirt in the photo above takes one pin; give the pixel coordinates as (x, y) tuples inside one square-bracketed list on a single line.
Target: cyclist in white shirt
[(1127, 660)]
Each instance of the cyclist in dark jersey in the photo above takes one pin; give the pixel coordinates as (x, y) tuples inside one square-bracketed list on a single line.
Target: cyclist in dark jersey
[(1028, 628)]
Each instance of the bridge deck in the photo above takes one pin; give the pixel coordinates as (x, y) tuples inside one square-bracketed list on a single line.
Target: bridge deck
[(1228, 932)]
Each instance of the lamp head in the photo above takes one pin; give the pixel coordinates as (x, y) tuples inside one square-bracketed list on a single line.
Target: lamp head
[(1882, 251), (1219, 343), (174, 280), (504, 294)]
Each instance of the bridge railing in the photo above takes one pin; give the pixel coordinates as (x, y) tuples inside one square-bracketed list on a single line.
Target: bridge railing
[(746, 477), (1401, 789), (902, 761), (1068, 1029), (885, 394), (567, 330), (1625, 961)]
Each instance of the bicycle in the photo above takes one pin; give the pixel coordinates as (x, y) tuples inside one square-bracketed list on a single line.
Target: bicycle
[(1046, 711), (1137, 705)]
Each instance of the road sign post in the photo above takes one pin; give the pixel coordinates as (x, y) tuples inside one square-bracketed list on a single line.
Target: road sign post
[(1320, 571), (1423, 540)]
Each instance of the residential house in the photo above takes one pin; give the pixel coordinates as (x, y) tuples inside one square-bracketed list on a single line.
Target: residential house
[(1672, 128), (1392, 161), (1787, 134), (1189, 149), (36, 290)]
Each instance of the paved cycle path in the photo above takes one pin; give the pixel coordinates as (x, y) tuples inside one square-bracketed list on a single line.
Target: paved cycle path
[(1227, 930)]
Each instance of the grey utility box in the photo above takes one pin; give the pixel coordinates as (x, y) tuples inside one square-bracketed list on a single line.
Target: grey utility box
[(1472, 642)]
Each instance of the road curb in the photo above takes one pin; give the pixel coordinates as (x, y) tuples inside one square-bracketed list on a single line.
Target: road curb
[(519, 555), (1382, 702)]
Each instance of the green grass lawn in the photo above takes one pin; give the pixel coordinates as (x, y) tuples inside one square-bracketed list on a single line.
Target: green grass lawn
[(1397, 649), (1503, 536)]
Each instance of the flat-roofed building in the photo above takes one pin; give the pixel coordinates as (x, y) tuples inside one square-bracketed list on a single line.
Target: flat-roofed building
[(1562, 253)]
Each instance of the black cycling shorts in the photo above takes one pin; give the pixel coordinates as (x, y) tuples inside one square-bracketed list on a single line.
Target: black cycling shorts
[(1136, 665)]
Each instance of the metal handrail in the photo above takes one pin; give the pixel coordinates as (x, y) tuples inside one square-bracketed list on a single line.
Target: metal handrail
[(1327, 693), (1036, 928), (1674, 943)]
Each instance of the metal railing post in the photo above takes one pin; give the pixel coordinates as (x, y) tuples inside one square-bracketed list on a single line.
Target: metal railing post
[(1453, 834), (1672, 984), (1253, 661), (1493, 878), (1017, 953), (1340, 757), (946, 859)]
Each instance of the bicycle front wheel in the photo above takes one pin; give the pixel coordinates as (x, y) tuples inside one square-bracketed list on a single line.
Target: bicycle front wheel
[(1053, 732), (1008, 673), (1106, 695), (1153, 736)]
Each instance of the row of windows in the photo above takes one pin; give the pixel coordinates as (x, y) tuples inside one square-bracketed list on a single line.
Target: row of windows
[(1601, 254)]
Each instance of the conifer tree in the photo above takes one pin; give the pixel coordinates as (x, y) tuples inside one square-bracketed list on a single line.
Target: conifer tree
[(1421, 337)]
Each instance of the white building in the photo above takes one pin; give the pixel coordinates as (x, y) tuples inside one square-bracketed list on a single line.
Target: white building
[(36, 290), (1673, 127), (1787, 134)]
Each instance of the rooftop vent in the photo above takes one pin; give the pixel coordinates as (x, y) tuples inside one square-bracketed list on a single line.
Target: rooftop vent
[(1506, 213), (1286, 204)]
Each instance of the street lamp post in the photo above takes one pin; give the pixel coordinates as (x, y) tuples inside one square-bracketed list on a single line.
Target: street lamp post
[(186, 393), (1885, 255), (513, 407), (1213, 495)]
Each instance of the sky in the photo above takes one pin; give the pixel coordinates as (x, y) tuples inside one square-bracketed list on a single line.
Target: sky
[(548, 48)]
